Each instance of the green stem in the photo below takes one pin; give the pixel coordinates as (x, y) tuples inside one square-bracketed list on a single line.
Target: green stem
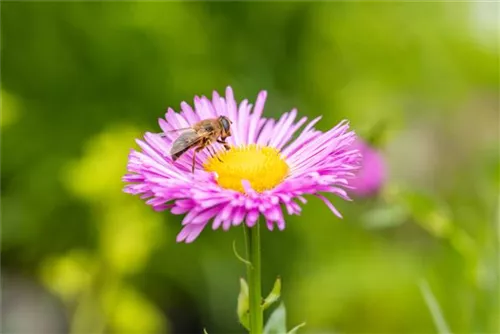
[(252, 243)]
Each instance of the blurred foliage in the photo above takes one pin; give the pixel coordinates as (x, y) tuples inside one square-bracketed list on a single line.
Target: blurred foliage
[(81, 80)]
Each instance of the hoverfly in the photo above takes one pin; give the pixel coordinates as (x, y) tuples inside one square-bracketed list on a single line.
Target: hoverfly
[(200, 136)]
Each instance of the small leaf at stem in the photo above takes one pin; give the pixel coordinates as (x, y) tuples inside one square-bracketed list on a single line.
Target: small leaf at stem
[(276, 324), (274, 295), (296, 328), (243, 304), (205, 331), (239, 256)]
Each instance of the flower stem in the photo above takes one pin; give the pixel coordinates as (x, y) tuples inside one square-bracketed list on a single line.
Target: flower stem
[(252, 243)]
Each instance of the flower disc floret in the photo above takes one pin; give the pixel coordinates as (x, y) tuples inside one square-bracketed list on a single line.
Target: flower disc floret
[(262, 167)]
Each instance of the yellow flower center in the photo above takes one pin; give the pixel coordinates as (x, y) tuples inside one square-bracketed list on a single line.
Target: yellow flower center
[(263, 167)]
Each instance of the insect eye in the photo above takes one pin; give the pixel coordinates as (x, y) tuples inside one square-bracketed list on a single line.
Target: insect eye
[(225, 124)]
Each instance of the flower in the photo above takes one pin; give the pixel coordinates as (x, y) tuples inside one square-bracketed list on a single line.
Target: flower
[(371, 176), (263, 170)]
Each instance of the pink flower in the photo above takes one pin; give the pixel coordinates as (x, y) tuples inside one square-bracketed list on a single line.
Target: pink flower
[(263, 171), (371, 176)]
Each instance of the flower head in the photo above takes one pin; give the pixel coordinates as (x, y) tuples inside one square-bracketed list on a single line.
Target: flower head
[(371, 176), (263, 170)]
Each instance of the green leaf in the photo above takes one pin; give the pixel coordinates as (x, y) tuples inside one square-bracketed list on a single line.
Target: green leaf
[(429, 213), (243, 304), (274, 295), (434, 308), (205, 331), (276, 324), (296, 328), (385, 217)]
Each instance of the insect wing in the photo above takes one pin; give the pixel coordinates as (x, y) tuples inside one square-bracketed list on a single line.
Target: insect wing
[(185, 141), (164, 134)]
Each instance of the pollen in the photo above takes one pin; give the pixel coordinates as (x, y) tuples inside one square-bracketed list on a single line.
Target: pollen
[(263, 167)]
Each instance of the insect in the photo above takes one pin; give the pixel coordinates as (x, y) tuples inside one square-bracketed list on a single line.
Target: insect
[(200, 136)]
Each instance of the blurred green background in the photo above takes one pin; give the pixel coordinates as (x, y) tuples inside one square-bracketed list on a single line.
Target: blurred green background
[(80, 81)]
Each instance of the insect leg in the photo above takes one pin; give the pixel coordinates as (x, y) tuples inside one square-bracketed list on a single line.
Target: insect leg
[(196, 150), (223, 142), (210, 152), (214, 154), (194, 159)]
